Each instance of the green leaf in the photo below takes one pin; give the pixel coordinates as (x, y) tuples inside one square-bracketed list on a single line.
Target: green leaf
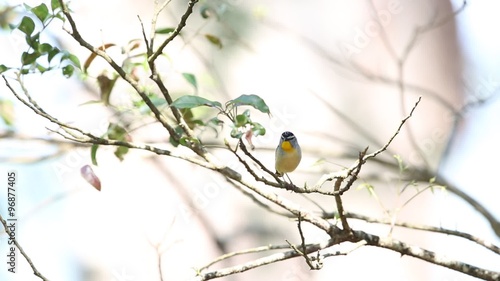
[(165, 30), (106, 85), (401, 165), (7, 111), (187, 141), (178, 130), (33, 41), (188, 116), (258, 129), (235, 133), (27, 26), (74, 59), (157, 101), (68, 70), (54, 52), (45, 48), (90, 102), (191, 79), (3, 68), (369, 187), (207, 12), (251, 100), (215, 121), (29, 58), (214, 40), (247, 113), (93, 154), (41, 68), (183, 141), (189, 101), (54, 5), (241, 120), (41, 12), (116, 132), (143, 107), (173, 141), (120, 152)]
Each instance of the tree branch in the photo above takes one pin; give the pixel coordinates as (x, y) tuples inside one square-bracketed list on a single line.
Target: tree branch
[(486, 244), (345, 173), (426, 255), (21, 250), (125, 76), (310, 248), (176, 32)]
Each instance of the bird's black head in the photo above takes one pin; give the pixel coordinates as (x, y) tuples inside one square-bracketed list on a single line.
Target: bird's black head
[(287, 136)]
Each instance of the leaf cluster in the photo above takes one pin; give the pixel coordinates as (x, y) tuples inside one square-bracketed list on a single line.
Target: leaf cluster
[(42, 56), (241, 122)]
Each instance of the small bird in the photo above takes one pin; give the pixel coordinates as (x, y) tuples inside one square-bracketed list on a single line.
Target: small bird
[(288, 154)]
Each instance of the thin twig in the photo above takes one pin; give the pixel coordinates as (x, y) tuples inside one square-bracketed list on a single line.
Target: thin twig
[(374, 154), (186, 198), (340, 207), (425, 255), (263, 261), (354, 68), (243, 252), (327, 177), (21, 250), (125, 76), (195, 146), (351, 122), (419, 31), (31, 104), (346, 173), (354, 172), (158, 10), (279, 183), (146, 42), (304, 247), (288, 205), (486, 244), (264, 168), (177, 30), (257, 200)]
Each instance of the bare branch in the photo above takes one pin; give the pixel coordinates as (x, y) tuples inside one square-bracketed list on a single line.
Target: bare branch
[(420, 30), (158, 10), (431, 25), (176, 32), (290, 206), (340, 207), (21, 250), (311, 248), (426, 255), (346, 173), (243, 252), (372, 155), (242, 146), (86, 137), (303, 247), (254, 197), (486, 244)]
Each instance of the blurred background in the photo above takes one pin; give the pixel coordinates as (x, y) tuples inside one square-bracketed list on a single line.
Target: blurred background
[(340, 75)]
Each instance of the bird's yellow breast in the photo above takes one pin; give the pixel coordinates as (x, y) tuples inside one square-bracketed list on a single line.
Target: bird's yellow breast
[(286, 146)]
